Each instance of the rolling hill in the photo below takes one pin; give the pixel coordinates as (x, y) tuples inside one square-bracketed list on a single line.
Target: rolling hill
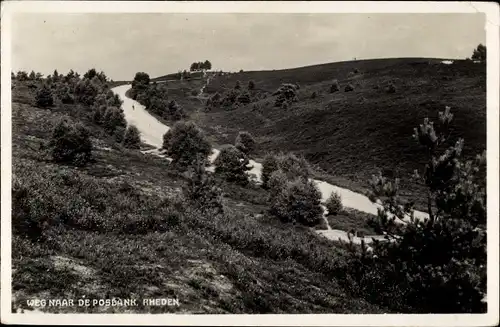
[(352, 135)]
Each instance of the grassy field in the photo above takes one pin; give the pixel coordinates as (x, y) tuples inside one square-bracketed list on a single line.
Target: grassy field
[(351, 135), (117, 228)]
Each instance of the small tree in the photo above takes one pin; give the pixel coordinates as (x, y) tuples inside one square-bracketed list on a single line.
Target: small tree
[(479, 53), (232, 164), (86, 92), (22, 76), (113, 118), (437, 264), (71, 143), (269, 166), (314, 95), (299, 201), (132, 138), (202, 190), (90, 74), (334, 203), (44, 97), (251, 85), (245, 142), (287, 93), (237, 86), (289, 164), (207, 65), (32, 76), (185, 143)]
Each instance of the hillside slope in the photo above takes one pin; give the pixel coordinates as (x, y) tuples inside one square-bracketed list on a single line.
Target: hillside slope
[(117, 228), (352, 135)]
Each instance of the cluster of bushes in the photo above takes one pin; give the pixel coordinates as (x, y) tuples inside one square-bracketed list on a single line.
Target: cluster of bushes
[(293, 196), (439, 264), (286, 95), (235, 97), (92, 91), (154, 97)]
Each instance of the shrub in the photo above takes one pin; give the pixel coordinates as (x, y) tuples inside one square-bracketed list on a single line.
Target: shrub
[(44, 97), (299, 201), (334, 204), (251, 85), (438, 264), (349, 88), (276, 183), (289, 164), (314, 95), (119, 134), (201, 189), (71, 143), (287, 93), (175, 111), (98, 115), (245, 142), (184, 143), (232, 164), (113, 118), (237, 86), (229, 98), (294, 166), (244, 98), (86, 91), (269, 166), (335, 87), (132, 138), (66, 98), (24, 223)]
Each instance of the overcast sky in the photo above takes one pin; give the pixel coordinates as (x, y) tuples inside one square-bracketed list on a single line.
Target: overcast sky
[(123, 44)]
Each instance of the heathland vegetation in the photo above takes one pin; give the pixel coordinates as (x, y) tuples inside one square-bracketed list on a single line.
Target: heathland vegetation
[(110, 221)]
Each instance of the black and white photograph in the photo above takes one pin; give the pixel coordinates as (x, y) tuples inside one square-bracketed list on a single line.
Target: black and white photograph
[(312, 162)]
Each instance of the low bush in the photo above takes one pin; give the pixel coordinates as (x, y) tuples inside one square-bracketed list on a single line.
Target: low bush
[(232, 164), (71, 143), (184, 143), (289, 164), (201, 189), (44, 97), (132, 138), (349, 88), (298, 201), (286, 94), (334, 204)]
